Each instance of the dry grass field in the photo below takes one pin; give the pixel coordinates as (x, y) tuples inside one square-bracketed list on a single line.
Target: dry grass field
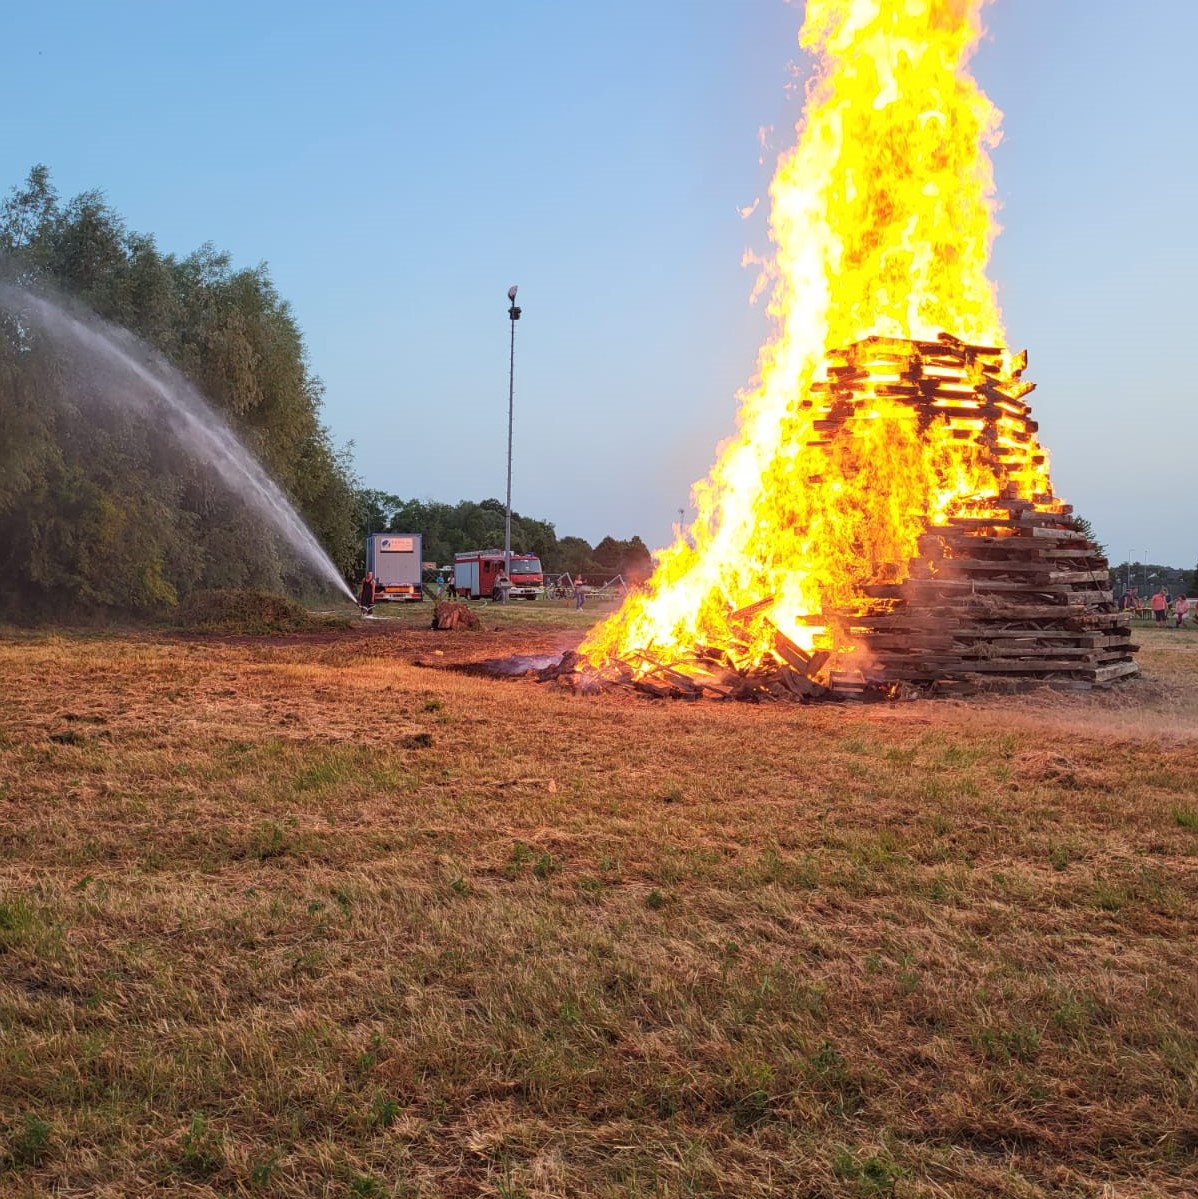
[(295, 916)]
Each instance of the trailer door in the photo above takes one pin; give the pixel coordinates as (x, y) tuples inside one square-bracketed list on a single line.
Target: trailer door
[(465, 577)]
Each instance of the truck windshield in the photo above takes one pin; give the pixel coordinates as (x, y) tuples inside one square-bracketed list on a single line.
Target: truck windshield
[(526, 566)]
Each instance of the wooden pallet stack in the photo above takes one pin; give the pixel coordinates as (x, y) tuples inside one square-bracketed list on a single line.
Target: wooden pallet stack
[(973, 390), (1014, 599), (1005, 594)]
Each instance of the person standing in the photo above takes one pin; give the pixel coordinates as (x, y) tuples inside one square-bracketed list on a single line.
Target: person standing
[(366, 593), (1181, 610), (1160, 606), (580, 593)]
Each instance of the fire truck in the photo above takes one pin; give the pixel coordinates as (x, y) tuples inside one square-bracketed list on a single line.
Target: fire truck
[(477, 574)]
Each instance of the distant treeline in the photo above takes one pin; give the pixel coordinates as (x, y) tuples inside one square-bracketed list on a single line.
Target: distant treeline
[(97, 513), (1146, 578), (451, 528)]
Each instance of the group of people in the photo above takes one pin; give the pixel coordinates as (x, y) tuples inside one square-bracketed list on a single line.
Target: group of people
[(1163, 605)]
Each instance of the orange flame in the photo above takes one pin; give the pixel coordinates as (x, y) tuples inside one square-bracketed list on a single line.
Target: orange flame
[(882, 217)]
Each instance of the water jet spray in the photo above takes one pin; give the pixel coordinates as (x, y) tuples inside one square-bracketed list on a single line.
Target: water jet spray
[(143, 381)]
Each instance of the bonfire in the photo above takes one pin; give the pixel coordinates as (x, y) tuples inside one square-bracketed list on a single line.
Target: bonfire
[(884, 516)]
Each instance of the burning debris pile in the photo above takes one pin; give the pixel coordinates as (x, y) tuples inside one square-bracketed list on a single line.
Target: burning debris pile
[(884, 519), (1004, 593), (450, 614), (708, 672)]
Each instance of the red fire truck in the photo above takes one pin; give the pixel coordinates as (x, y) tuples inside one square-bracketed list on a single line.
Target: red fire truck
[(477, 574)]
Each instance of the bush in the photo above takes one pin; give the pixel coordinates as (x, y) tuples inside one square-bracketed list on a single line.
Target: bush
[(236, 611)]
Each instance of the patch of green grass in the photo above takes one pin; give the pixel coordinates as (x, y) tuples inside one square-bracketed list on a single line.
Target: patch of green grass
[(1075, 1013), (273, 840), (384, 1111), (748, 1094), (940, 823), (262, 1172), (520, 856), (867, 1173), (1020, 1044), (1149, 887), (29, 1143), (19, 923), (201, 1149), (1058, 856), (333, 768), (1186, 816)]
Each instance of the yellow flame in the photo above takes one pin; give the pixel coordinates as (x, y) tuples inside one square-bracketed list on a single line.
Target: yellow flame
[(882, 218)]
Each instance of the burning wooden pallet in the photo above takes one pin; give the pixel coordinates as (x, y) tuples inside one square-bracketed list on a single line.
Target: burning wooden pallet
[(786, 673), (1006, 593)]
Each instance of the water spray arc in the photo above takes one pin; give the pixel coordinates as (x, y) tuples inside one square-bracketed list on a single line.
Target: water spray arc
[(142, 381)]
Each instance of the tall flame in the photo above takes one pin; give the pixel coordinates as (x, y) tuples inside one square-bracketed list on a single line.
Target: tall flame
[(882, 217)]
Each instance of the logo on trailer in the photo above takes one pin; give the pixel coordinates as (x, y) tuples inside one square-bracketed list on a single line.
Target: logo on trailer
[(396, 545)]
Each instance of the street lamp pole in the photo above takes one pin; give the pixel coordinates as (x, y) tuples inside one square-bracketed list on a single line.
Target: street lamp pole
[(513, 316)]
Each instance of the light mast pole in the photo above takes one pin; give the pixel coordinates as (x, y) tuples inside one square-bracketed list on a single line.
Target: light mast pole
[(513, 316)]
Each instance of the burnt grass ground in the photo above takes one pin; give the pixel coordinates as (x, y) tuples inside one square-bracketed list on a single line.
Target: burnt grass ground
[(293, 915)]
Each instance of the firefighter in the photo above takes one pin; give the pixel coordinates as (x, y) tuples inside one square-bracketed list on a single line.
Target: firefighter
[(366, 594)]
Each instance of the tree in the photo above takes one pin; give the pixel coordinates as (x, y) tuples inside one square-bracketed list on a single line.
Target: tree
[(1083, 526), (575, 557), (94, 506), (638, 562), (630, 558), (609, 555), (27, 219)]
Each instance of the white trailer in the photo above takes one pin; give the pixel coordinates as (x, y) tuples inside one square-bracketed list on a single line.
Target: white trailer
[(396, 560)]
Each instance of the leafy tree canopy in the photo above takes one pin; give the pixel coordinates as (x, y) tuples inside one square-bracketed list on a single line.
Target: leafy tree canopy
[(93, 507)]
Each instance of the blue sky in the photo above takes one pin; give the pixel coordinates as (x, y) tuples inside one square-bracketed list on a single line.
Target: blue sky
[(399, 166)]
